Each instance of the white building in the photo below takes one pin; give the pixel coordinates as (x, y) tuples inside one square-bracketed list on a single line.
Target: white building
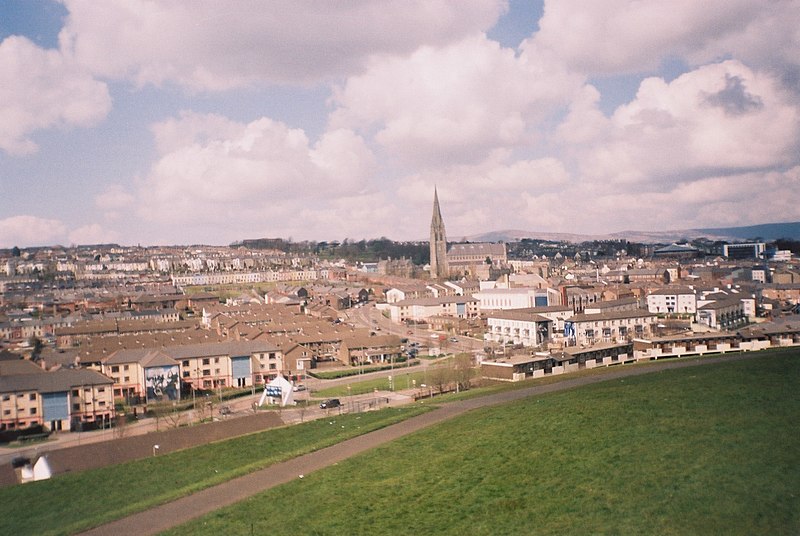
[(617, 326), (518, 327), (516, 298), (672, 300), (424, 308)]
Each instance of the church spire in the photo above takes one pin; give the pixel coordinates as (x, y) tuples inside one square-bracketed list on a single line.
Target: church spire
[(438, 242)]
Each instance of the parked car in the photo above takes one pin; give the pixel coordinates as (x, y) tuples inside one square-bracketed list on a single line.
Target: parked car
[(330, 403), (299, 387), (453, 339)]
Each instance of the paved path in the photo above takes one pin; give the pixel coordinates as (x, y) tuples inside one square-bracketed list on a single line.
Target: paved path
[(171, 514)]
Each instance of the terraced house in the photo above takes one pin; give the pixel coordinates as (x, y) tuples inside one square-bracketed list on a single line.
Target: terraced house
[(616, 326)]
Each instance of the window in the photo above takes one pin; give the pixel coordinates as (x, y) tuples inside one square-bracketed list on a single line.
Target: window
[(115, 368), (216, 371), (206, 372), (216, 360), (206, 361), (125, 367), (186, 363), (6, 412), (102, 403), (127, 379), (33, 411), (75, 392), (6, 398), (76, 407), (272, 366), (185, 373), (32, 396)]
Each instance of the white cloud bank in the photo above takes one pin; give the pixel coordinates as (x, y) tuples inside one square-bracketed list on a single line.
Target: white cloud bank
[(212, 45), (43, 89)]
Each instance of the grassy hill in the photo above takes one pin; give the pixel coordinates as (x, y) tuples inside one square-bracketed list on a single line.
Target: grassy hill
[(702, 450)]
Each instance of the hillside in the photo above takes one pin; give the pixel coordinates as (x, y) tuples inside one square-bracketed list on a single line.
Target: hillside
[(764, 232), (701, 450)]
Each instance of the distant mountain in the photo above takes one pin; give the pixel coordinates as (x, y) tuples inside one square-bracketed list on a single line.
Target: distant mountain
[(764, 233)]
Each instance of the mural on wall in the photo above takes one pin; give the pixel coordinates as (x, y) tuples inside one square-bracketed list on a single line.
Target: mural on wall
[(163, 383)]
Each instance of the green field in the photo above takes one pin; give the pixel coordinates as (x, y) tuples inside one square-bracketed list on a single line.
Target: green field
[(72, 502), (705, 450), (402, 380)]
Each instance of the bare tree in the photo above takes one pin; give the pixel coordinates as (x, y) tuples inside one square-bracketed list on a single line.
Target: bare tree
[(121, 426), (440, 377), (463, 371)]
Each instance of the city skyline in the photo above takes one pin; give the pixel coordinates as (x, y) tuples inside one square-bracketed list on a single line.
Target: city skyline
[(167, 125)]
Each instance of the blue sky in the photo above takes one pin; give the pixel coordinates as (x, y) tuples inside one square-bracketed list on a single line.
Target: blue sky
[(166, 122)]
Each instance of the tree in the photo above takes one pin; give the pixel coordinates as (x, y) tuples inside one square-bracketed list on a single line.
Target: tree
[(36, 347), (15, 252), (463, 372)]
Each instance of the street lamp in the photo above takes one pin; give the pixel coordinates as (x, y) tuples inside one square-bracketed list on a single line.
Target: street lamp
[(155, 449)]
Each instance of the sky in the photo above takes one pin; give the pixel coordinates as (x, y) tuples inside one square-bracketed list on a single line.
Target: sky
[(159, 122)]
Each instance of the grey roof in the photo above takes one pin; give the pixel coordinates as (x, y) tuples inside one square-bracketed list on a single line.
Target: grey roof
[(230, 348), (612, 315), (479, 248), (146, 357), (19, 366), (53, 382), (436, 301), (524, 315)]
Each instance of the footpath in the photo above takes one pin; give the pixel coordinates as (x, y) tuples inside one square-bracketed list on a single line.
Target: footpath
[(174, 513)]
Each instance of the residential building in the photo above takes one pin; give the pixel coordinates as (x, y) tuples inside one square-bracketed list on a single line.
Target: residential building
[(619, 326), (63, 399), (672, 300), (422, 308)]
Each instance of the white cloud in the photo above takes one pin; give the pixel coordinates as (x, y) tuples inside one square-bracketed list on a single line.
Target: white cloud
[(211, 45), (617, 36), (453, 103), (114, 201), (93, 233), (42, 89), (26, 230), (719, 117), (247, 174)]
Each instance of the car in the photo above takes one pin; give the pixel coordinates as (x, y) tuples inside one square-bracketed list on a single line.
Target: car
[(453, 339), (434, 335), (330, 403), (225, 410), (299, 387)]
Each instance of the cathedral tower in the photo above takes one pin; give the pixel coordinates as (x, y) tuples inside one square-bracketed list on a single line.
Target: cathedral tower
[(439, 268)]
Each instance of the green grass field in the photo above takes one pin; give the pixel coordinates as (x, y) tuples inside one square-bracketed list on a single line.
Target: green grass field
[(72, 502), (402, 380), (705, 450)]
